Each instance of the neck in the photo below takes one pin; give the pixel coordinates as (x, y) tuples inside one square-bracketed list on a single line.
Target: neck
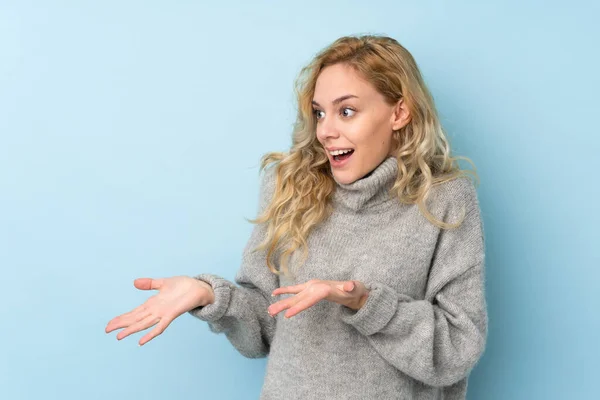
[(370, 190)]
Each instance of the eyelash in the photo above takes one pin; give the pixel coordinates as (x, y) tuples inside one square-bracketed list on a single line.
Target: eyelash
[(315, 111)]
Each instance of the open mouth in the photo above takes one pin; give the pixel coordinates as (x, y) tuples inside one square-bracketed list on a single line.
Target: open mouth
[(343, 157)]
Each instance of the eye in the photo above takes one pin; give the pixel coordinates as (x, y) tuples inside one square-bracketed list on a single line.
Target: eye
[(352, 111), (349, 109)]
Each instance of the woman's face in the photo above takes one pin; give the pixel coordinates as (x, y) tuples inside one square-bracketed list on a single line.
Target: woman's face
[(351, 114)]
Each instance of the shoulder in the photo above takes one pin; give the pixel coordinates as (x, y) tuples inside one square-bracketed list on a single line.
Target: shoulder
[(450, 198), (268, 183)]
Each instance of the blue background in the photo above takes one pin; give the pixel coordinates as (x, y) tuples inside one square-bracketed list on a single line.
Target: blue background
[(130, 137)]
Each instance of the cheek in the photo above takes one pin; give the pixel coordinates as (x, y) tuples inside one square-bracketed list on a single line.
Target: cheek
[(369, 133), (376, 137), (364, 133)]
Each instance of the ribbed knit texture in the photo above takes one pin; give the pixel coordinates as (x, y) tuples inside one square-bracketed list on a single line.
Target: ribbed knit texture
[(423, 326)]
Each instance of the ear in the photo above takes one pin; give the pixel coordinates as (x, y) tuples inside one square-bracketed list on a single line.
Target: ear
[(401, 115)]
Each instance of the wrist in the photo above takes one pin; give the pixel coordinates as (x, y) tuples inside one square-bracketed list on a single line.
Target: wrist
[(363, 300), (360, 302), (206, 293)]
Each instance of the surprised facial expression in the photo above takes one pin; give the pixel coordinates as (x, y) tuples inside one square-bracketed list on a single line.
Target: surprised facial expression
[(354, 122)]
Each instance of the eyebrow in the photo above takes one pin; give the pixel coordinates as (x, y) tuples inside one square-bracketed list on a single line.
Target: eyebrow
[(338, 100)]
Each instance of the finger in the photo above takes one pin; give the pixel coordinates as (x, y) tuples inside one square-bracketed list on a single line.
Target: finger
[(357, 287), (145, 323), (148, 283), (290, 289), (348, 286), (317, 294), (279, 306), (158, 329), (127, 319), (302, 305), (284, 304)]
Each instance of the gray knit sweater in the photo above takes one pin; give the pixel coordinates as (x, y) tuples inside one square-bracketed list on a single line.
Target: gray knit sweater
[(423, 326)]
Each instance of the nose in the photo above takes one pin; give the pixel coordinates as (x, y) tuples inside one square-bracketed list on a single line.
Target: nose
[(327, 130)]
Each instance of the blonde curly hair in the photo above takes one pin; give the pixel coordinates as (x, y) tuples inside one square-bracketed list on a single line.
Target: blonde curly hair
[(304, 182)]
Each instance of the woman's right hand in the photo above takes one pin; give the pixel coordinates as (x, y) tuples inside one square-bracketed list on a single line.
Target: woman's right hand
[(176, 296)]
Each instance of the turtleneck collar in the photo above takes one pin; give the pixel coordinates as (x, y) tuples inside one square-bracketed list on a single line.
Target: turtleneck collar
[(370, 190)]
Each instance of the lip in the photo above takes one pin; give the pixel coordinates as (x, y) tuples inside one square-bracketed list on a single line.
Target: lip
[(337, 148), (339, 164)]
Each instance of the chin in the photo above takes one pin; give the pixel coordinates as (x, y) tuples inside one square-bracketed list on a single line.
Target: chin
[(344, 178)]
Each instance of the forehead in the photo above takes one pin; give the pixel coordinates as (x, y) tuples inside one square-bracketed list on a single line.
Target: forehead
[(338, 80)]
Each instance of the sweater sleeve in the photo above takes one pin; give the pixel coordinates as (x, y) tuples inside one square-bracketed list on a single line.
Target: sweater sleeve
[(439, 339), (240, 308)]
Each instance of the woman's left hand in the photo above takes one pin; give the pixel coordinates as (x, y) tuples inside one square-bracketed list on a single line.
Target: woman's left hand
[(352, 294)]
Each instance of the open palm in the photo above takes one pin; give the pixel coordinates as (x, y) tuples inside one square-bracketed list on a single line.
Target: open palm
[(176, 296)]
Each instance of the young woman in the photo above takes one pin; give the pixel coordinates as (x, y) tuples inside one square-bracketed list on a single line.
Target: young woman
[(364, 275)]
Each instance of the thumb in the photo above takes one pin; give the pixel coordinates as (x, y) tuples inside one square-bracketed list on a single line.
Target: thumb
[(348, 286), (148, 283)]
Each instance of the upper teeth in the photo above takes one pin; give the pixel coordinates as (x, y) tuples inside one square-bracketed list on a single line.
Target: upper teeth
[(339, 152)]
